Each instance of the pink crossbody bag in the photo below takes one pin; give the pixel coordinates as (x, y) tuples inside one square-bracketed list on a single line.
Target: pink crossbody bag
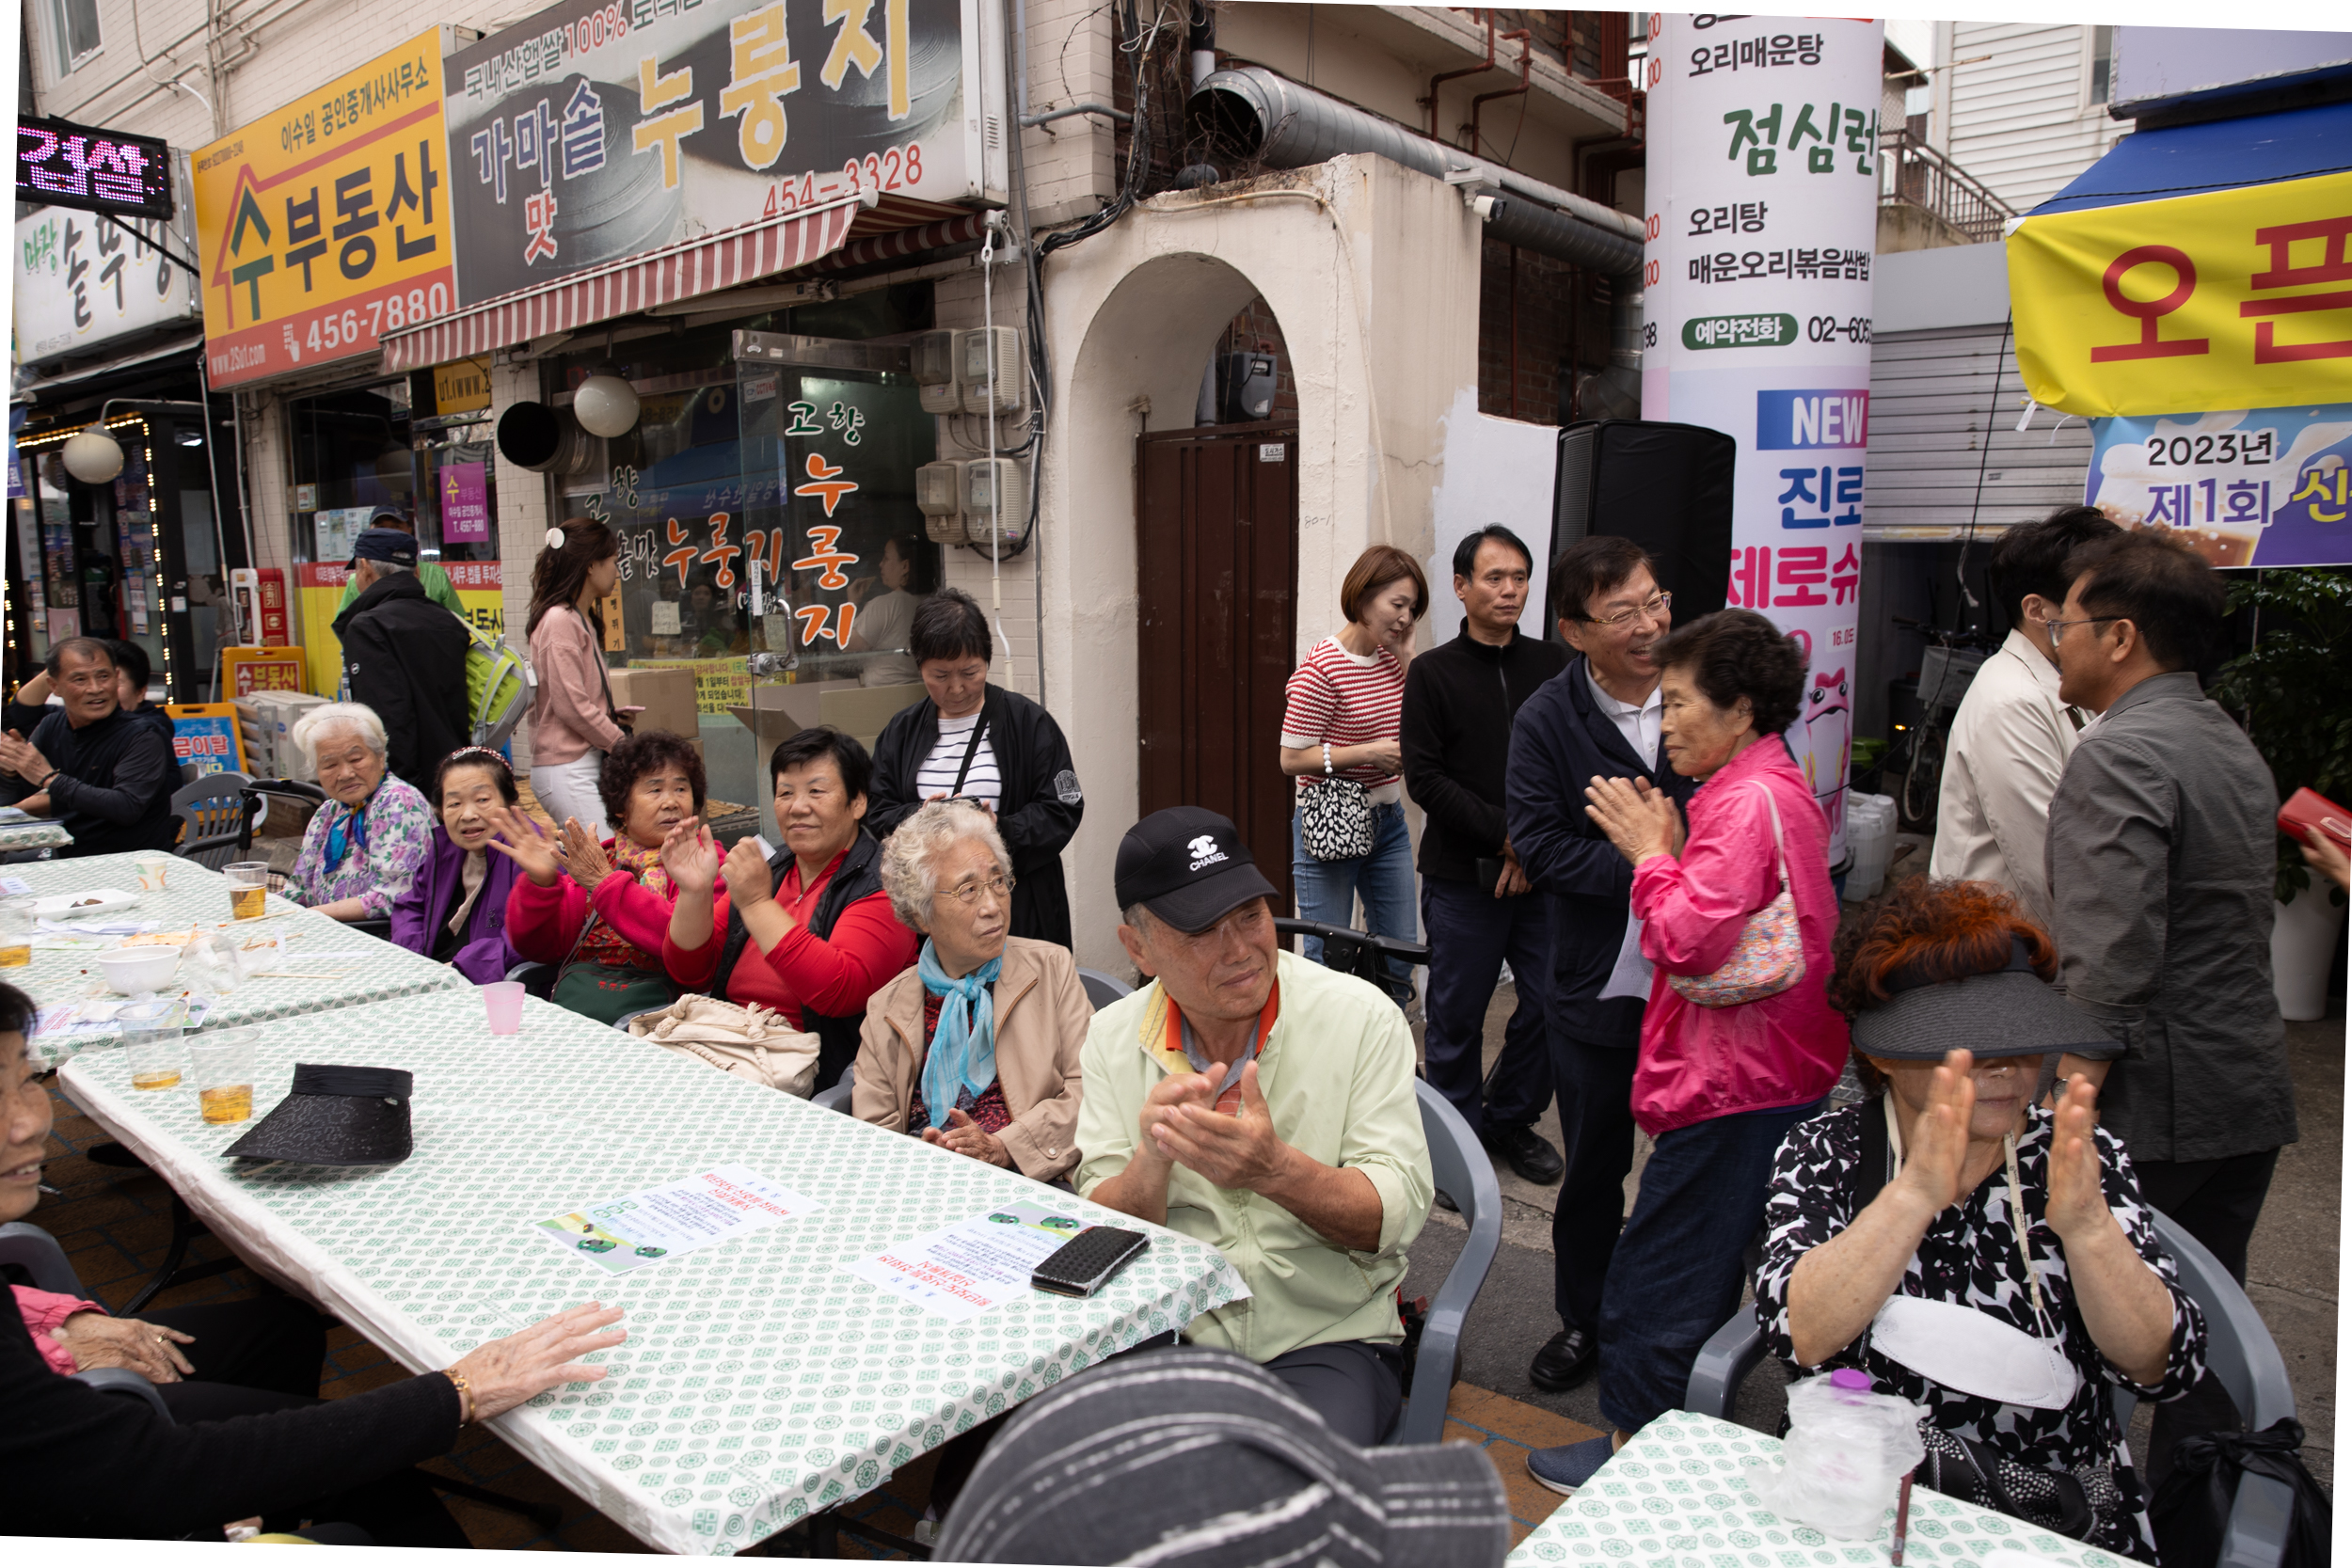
[(1770, 955)]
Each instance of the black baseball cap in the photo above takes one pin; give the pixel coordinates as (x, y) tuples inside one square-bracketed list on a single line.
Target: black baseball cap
[(384, 543), (1187, 865), (1196, 1458)]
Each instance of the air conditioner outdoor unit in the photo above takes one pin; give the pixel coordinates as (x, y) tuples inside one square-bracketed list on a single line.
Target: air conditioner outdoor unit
[(1004, 481), (998, 347)]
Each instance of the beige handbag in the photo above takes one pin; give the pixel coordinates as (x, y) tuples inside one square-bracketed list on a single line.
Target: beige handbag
[(751, 1042)]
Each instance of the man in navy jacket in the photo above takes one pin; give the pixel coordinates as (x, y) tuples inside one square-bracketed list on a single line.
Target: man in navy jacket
[(1598, 716)]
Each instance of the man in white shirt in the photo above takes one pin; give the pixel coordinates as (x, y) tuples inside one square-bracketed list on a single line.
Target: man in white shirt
[(2012, 735)]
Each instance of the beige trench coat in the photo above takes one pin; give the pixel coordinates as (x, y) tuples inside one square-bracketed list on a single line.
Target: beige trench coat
[(1042, 1019)]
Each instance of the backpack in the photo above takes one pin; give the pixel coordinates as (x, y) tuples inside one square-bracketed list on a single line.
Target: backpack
[(499, 687)]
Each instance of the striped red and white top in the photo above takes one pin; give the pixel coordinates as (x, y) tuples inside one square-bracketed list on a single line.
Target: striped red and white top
[(1348, 701)]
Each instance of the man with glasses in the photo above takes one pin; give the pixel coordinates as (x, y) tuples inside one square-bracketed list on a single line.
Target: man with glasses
[(1600, 716), (2012, 735), (2163, 849), (1476, 902)]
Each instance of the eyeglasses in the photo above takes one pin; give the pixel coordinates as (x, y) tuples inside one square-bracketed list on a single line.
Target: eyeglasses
[(1654, 607), (2054, 627), (969, 893)]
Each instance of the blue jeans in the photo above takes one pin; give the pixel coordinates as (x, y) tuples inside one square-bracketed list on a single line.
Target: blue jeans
[(1327, 890), (1674, 1278), (1470, 933)]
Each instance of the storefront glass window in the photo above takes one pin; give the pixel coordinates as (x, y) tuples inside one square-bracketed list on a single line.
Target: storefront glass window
[(800, 479)]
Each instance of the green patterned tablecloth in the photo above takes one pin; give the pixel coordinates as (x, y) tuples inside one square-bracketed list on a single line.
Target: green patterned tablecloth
[(35, 835), (1677, 1496), (760, 1381), (378, 970)]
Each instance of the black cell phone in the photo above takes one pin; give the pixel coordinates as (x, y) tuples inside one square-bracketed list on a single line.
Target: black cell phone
[(1489, 871), (1085, 1263)]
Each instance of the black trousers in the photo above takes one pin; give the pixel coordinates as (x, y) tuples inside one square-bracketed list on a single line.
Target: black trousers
[(2217, 1201), (1596, 1088), (253, 1358)]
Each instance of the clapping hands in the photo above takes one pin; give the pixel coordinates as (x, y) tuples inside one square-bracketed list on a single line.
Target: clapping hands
[(691, 857), (584, 857), (1637, 817), (524, 842)]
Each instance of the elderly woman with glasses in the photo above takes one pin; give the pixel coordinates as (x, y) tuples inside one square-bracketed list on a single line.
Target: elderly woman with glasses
[(975, 1048), (368, 842)]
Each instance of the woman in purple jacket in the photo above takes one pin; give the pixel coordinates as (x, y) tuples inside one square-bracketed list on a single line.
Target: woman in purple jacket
[(455, 909)]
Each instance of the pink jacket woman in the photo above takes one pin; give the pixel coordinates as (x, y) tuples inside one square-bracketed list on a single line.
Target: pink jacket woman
[(1698, 1062)]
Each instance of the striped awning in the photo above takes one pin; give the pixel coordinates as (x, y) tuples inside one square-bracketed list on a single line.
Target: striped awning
[(636, 283)]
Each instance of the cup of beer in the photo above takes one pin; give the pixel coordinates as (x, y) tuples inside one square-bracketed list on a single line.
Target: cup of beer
[(152, 1044), (16, 932), (248, 888), (222, 1061)]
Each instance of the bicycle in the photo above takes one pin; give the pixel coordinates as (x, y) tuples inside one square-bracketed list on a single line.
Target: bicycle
[(1946, 671)]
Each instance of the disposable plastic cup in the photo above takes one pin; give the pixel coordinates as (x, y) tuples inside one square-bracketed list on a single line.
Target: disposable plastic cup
[(504, 999), (156, 1057), (222, 1062), (16, 933), (248, 888)]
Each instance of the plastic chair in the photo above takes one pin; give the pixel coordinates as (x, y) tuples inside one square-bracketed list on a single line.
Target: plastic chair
[(36, 1252), (2238, 1351), (837, 1098), (1102, 990), (1465, 1174), (538, 978), (212, 812)]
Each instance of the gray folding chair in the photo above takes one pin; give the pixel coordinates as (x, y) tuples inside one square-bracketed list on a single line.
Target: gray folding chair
[(837, 1098), (1465, 1174), (2238, 1351), (212, 812), (1102, 990)]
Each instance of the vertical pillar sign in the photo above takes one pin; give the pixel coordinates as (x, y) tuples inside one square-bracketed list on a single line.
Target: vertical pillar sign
[(1763, 217)]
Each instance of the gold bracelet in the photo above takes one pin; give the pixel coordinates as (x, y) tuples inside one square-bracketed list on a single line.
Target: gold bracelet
[(465, 1395)]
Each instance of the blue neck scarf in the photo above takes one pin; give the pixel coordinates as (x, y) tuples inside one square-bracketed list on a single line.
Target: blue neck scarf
[(964, 1051), (350, 830)]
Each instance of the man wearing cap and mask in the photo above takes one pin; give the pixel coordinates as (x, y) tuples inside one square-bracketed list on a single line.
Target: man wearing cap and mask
[(405, 657), (1262, 1104)]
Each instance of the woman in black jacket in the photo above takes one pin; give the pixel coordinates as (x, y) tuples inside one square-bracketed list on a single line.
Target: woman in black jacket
[(980, 742), (81, 1463)]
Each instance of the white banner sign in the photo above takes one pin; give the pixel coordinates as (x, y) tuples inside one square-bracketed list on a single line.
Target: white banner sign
[(1763, 184), (82, 282)]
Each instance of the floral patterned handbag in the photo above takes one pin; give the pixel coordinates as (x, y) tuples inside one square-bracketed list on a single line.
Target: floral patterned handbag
[(1770, 955)]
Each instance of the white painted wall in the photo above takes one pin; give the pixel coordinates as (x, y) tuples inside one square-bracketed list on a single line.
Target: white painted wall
[(1493, 471), (2021, 121)]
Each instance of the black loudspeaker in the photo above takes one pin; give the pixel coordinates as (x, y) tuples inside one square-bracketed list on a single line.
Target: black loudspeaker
[(1245, 387), (1667, 487)]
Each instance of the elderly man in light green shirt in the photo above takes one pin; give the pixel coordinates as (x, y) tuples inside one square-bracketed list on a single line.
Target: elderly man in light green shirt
[(1265, 1105)]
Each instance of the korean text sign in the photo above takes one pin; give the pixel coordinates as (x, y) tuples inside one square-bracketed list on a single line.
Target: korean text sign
[(326, 224), (2228, 300), (1763, 152), (2249, 488), (598, 130), (82, 282)]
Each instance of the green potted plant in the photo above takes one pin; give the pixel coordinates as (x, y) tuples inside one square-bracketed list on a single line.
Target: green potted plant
[(2293, 692)]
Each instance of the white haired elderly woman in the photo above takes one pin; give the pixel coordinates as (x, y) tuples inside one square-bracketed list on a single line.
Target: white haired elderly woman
[(372, 836), (975, 1048)]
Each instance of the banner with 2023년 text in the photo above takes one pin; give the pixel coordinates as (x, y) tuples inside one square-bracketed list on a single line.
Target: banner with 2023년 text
[(2249, 488), (325, 223), (2239, 298), (1763, 186)]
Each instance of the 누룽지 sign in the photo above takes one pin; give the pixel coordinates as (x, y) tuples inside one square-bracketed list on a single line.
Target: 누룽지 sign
[(83, 281), (325, 223), (60, 164), (598, 130), (2249, 487)]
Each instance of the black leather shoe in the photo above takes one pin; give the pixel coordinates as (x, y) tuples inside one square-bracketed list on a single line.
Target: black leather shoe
[(1527, 1152), (1567, 1359)]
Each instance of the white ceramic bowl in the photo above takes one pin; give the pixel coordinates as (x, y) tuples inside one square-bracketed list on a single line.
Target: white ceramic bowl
[(133, 970)]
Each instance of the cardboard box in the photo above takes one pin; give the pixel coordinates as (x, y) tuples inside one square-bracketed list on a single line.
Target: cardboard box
[(667, 695)]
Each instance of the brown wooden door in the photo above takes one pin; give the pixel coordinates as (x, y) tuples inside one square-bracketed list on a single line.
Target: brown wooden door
[(1218, 576)]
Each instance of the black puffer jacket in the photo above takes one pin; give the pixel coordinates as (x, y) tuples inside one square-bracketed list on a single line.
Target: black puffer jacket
[(405, 658)]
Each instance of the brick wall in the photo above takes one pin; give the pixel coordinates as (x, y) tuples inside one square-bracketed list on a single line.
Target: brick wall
[(1537, 308), (1254, 329)]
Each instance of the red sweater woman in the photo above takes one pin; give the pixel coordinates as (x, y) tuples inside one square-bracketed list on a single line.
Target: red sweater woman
[(813, 935), (653, 786)]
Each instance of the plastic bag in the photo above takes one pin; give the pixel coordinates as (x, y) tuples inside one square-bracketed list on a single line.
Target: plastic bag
[(2192, 1508), (1847, 1451)]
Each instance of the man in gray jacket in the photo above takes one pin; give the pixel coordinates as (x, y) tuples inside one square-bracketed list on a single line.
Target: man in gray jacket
[(2161, 857)]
